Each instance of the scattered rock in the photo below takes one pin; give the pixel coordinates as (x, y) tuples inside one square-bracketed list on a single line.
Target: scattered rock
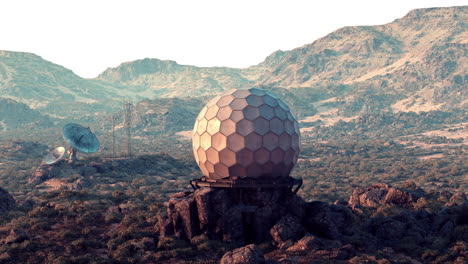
[(288, 230), (336, 253), (370, 197), (311, 242), (395, 196), (249, 254), (458, 198), (380, 194)]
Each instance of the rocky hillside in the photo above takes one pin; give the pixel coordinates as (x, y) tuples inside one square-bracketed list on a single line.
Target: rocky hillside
[(51, 88), (169, 79), (162, 115), (415, 63), (14, 115), (412, 64)]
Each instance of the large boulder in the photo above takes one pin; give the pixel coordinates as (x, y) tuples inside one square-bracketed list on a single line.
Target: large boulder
[(400, 197), (249, 254), (372, 196), (288, 230)]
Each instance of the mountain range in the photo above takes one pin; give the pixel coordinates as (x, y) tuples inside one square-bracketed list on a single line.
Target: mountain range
[(415, 63)]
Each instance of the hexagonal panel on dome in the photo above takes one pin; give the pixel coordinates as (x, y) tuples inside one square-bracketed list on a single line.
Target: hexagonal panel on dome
[(241, 93), (213, 126), (202, 126), (270, 101), (253, 141), (246, 133), (228, 127), (267, 111), (254, 100), (211, 112), (270, 141), (228, 157), (237, 116), (261, 126), (244, 127), (224, 113), (262, 156), (225, 100), (205, 141), (196, 141), (238, 104), (280, 113), (277, 126), (284, 141), (218, 141), (235, 142), (212, 155), (251, 112), (289, 127), (201, 154), (245, 157), (202, 113)]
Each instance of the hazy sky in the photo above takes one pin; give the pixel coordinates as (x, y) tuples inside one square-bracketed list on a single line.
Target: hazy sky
[(88, 36)]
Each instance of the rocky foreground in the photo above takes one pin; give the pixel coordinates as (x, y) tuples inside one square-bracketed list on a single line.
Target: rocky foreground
[(379, 223), (83, 221)]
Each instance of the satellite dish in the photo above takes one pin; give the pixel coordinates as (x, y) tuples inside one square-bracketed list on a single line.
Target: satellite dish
[(81, 139), (54, 156)]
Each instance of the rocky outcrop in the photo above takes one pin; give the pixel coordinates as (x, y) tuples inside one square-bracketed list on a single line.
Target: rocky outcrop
[(16, 115), (249, 254), (380, 194), (233, 215), (6, 201), (183, 215), (395, 220), (40, 175)]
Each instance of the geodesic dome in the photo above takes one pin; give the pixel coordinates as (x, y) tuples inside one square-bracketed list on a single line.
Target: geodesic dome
[(246, 133)]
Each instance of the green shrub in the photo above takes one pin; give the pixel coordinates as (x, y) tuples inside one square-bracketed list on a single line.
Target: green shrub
[(43, 211), (168, 243), (111, 218), (68, 235)]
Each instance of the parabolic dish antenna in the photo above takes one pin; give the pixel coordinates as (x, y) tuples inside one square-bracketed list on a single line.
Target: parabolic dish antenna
[(81, 138), (54, 156)]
